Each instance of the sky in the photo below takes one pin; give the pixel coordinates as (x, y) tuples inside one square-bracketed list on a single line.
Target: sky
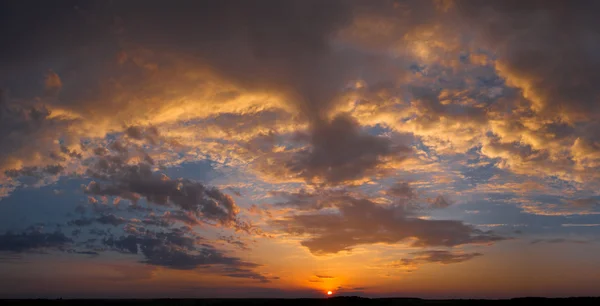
[(265, 148)]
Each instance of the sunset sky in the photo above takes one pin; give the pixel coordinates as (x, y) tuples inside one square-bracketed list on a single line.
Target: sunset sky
[(283, 148)]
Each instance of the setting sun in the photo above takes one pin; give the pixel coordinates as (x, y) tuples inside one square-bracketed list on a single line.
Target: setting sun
[(329, 293)]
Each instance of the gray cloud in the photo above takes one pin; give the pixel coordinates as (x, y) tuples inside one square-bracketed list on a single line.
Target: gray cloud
[(181, 249), (558, 240), (135, 181), (111, 219), (552, 47), (340, 152), (362, 222), (235, 242), (33, 240), (435, 256), (439, 202), (28, 134), (401, 190), (269, 45), (35, 171), (584, 203), (150, 134), (104, 218), (324, 276), (301, 200)]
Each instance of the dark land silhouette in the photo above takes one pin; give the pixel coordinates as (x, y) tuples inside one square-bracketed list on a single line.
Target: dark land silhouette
[(333, 301)]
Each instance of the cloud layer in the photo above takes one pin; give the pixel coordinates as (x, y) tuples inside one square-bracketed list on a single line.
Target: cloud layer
[(187, 134)]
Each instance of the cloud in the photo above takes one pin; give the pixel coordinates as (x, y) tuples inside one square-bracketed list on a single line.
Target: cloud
[(183, 250), (550, 56), (235, 241), (324, 276), (339, 153), (53, 83), (34, 171), (111, 219), (402, 190), (91, 253), (33, 240), (26, 146), (297, 63), (557, 240), (584, 203), (321, 94), (433, 256), (439, 202), (360, 221), (301, 200), (138, 180), (560, 206)]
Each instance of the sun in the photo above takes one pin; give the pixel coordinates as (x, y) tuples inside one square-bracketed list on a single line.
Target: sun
[(329, 293)]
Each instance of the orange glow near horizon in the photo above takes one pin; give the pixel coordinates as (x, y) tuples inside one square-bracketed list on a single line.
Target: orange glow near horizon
[(329, 293)]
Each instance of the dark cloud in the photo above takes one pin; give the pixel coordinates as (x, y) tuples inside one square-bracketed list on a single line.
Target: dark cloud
[(81, 222), (52, 83), (157, 220), (301, 200), (276, 46), (341, 152), (111, 220), (324, 276), (150, 134), (180, 249), (401, 190), (104, 218), (264, 44), (33, 240), (434, 110), (27, 141), (270, 45), (133, 182), (235, 241), (549, 49), (435, 256), (91, 253), (404, 193), (361, 222), (249, 274), (558, 240), (35, 171), (182, 216), (584, 203), (439, 202)]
